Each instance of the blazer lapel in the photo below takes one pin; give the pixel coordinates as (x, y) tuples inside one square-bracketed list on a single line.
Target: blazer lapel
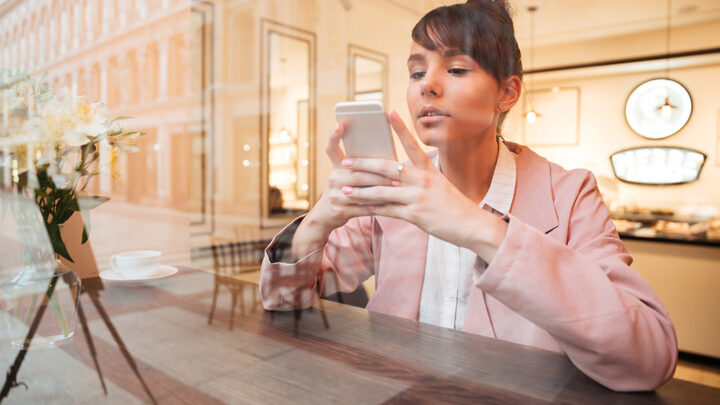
[(533, 201)]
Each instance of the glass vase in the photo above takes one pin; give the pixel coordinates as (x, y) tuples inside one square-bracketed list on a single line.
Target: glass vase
[(39, 306)]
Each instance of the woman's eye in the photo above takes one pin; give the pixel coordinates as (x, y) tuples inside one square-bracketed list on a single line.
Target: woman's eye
[(417, 75), (458, 71)]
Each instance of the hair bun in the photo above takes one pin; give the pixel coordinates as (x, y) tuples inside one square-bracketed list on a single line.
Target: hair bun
[(503, 4)]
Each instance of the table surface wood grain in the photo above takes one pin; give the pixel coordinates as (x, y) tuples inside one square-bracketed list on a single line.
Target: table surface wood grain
[(332, 353)]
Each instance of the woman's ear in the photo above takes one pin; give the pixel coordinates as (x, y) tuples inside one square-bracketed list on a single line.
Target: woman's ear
[(509, 93)]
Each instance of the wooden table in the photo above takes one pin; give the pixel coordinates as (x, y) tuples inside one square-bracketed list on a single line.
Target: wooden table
[(330, 354)]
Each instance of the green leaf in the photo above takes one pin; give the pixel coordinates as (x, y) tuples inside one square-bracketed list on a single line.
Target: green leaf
[(66, 214), (72, 201), (122, 117), (56, 241)]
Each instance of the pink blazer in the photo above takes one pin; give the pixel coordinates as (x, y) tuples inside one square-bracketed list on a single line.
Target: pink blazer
[(560, 281)]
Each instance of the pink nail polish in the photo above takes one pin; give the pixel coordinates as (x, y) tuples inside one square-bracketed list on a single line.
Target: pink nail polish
[(371, 207), (395, 183), (347, 189), (347, 162)]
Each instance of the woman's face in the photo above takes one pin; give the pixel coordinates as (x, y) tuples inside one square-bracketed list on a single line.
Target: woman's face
[(450, 96)]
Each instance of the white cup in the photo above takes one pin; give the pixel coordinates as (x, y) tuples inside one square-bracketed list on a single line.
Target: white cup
[(136, 263)]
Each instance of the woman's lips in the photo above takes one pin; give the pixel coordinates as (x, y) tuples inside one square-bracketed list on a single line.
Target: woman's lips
[(430, 115), (432, 119)]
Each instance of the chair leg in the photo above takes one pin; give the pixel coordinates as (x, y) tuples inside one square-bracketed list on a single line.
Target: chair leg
[(242, 301), (254, 299), (214, 301), (232, 308)]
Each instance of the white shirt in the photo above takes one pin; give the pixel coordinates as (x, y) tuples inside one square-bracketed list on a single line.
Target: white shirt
[(451, 271)]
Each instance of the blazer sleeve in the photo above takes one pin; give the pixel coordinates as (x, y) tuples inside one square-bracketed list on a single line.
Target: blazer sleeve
[(605, 317), (340, 266)]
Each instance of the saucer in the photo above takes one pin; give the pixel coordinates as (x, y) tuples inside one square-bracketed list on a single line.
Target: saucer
[(113, 276)]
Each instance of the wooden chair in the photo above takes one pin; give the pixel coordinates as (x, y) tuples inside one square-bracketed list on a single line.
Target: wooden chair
[(231, 259), (251, 244)]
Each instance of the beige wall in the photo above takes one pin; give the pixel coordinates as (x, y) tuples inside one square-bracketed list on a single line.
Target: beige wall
[(603, 129), (683, 38)]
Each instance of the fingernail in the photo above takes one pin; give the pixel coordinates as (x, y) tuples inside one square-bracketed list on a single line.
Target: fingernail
[(337, 128), (347, 189), (347, 162), (395, 183), (371, 207)]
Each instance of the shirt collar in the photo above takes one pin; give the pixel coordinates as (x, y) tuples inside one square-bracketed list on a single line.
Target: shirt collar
[(502, 186)]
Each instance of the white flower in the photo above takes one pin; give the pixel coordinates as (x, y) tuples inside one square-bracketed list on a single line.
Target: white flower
[(36, 130), (59, 180), (11, 98), (74, 138), (89, 121), (59, 123)]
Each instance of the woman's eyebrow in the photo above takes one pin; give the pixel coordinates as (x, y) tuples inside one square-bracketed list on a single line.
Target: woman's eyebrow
[(449, 53), (416, 57)]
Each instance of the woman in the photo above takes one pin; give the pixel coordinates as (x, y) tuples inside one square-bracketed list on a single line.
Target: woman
[(481, 235)]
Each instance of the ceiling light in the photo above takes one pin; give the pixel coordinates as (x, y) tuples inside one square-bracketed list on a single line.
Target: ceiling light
[(659, 165), (531, 115), (666, 109)]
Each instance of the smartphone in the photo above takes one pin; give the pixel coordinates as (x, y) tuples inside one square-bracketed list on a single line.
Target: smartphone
[(367, 130)]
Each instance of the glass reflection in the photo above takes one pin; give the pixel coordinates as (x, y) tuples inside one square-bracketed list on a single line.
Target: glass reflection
[(368, 71), (289, 125)]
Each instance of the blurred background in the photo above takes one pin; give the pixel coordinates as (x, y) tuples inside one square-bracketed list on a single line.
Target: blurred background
[(235, 98)]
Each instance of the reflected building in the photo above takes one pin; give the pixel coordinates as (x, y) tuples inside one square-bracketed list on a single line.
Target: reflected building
[(235, 97)]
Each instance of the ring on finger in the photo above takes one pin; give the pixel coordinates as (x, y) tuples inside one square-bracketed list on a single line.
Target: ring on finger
[(400, 169)]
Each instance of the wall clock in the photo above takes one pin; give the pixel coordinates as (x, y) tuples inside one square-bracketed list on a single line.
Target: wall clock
[(658, 108)]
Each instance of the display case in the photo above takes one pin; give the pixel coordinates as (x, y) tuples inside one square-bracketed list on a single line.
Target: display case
[(664, 225)]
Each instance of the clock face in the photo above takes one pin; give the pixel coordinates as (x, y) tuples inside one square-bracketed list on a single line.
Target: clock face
[(658, 108)]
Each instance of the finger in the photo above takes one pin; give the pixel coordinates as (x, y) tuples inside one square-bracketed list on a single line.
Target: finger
[(382, 167), (360, 178), (379, 195), (342, 208), (332, 147), (412, 147), (390, 210), (340, 201)]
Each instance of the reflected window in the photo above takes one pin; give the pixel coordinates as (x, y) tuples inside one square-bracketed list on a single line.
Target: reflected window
[(289, 122), (662, 165), (368, 74)]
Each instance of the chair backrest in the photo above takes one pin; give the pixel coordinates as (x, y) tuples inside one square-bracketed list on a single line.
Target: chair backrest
[(223, 256), (251, 244), (234, 257)]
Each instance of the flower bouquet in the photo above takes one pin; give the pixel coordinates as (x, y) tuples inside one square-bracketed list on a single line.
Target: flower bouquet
[(51, 145)]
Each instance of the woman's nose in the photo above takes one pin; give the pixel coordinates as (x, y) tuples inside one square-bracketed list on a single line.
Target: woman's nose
[(431, 84)]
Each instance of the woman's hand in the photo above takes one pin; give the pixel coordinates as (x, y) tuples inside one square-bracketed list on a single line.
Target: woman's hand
[(334, 208), (420, 194)]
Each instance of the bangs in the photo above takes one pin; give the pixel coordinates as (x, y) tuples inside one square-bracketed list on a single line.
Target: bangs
[(468, 30)]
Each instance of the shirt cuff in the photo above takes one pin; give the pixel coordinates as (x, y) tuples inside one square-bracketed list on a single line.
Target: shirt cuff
[(280, 248)]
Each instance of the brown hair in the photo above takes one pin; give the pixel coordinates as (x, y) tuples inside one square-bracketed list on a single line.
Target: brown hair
[(481, 29)]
